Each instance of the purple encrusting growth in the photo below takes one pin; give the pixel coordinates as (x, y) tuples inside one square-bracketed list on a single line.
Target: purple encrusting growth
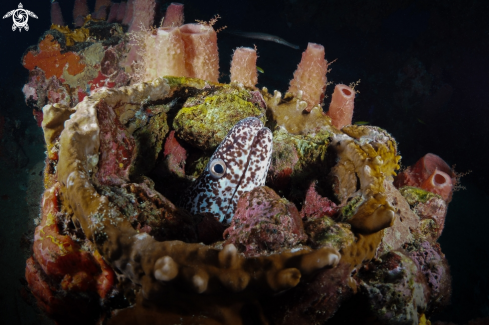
[(244, 157), (432, 263)]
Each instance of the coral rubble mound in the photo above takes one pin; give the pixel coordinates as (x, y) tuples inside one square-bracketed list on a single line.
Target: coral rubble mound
[(331, 230)]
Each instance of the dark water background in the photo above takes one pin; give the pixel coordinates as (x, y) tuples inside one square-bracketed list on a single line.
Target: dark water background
[(424, 71)]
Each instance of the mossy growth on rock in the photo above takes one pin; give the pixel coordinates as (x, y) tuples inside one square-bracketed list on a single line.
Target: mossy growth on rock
[(325, 232), (205, 120), (149, 137), (351, 208), (416, 195), (297, 160)]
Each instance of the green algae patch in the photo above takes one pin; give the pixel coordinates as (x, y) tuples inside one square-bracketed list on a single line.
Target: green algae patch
[(204, 122), (415, 195)]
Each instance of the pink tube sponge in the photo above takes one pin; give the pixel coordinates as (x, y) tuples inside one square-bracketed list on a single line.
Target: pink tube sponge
[(121, 12), (201, 54), (101, 3), (56, 15), (143, 15), (101, 13), (114, 9), (129, 12), (341, 106), (243, 67), (439, 183), (80, 9), (164, 54), (174, 15), (310, 76)]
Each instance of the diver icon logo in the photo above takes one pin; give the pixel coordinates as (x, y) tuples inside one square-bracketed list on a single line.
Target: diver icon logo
[(20, 17)]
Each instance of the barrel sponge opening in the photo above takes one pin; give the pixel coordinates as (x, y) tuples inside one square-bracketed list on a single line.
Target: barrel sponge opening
[(439, 183)]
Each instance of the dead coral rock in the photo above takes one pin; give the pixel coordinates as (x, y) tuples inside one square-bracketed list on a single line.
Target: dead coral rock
[(117, 148), (284, 159), (317, 206), (395, 289), (150, 212), (432, 215), (405, 225), (434, 266), (312, 302), (317, 213), (150, 127), (297, 160), (430, 208), (175, 155), (264, 222)]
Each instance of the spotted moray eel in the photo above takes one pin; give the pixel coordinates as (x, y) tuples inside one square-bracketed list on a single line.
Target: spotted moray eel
[(238, 165)]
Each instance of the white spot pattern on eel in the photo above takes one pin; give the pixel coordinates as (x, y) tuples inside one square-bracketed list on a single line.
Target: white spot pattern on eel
[(246, 153)]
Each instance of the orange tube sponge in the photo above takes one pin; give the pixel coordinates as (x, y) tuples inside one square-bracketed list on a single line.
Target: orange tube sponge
[(243, 67), (165, 54), (341, 107), (201, 54), (310, 76), (439, 183)]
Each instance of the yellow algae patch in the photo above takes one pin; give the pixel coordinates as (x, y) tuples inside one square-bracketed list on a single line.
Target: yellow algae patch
[(72, 36)]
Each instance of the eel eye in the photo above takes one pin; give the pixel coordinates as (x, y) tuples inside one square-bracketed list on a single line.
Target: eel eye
[(217, 168)]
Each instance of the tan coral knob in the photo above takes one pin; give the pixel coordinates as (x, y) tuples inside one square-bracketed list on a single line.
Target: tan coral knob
[(165, 269), (228, 256)]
